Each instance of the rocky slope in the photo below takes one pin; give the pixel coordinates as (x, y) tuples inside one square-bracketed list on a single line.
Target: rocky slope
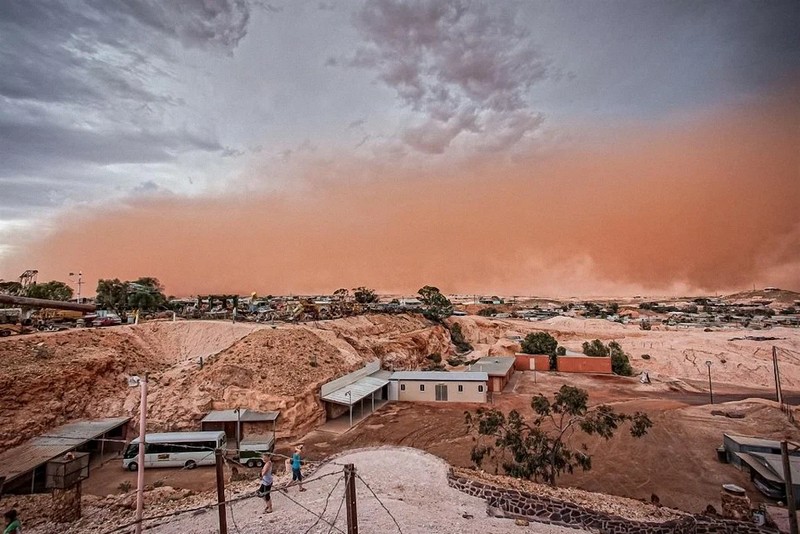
[(50, 379)]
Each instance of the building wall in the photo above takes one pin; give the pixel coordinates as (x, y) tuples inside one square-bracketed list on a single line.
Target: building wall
[(583, 364), (530, 362), (412, 392)]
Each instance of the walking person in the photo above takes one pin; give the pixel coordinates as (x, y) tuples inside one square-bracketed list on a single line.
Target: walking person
[(13, 526), (266, 483), (297, 461)]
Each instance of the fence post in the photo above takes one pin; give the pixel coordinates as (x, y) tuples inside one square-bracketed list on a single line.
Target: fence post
[(223, 521), (350, 498)]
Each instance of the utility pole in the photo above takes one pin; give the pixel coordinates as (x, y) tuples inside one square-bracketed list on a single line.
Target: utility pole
[(710, 389), (350, 498), (142, 445), (778, 392), (223, 521), (787, 477)]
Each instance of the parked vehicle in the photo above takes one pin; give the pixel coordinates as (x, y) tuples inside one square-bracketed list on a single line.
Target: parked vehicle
[(251, 450), (102, 318), (175, 449)]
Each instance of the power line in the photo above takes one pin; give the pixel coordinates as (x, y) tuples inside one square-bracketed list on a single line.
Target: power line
[(381, 503), (216, 504)]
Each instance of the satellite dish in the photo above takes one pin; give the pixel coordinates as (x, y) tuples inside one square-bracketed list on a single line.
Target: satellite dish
[(134, 381)]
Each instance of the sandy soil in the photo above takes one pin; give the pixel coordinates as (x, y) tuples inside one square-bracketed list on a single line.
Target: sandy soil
[(411, 484)]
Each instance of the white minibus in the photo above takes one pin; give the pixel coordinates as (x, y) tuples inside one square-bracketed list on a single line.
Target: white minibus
[(175, 449)]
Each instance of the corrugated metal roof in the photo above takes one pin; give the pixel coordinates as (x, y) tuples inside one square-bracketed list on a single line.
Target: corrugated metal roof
[(40, 450), (441, 376), (754, 442), (494, 365), (247, 416), (357, 390), (770, 466)]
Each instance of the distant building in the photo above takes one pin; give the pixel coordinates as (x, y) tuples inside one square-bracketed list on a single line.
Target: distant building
[(733, 445), (423, 386), (499, 369)]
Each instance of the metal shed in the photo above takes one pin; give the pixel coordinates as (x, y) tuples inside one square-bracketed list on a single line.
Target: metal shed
[(238, 422), (24, 466)]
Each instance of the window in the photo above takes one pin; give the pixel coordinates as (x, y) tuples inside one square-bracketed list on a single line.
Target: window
[(460, 388), (422, 387), (480, 389), (402, 387)]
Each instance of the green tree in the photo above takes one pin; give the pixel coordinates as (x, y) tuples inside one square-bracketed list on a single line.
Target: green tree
[(595, 348), (146, 293), (541, 343), (52, 290), (544, 449), (620, 363), (561, 351), (437, 306), (365, 295), (112, 295)]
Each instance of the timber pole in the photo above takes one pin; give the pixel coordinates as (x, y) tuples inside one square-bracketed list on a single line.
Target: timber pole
[(223, 520), (787, 477), (350, 498), (142, 445)]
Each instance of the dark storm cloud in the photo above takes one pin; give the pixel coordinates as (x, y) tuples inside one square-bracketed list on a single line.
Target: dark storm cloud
[(86, 84), (466, 67)]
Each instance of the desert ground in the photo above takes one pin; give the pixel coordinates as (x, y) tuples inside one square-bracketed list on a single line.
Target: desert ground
[(53, 378)]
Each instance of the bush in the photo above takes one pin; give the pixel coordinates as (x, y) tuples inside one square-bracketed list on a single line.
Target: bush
[(645, 356), (455, 361), (487, 312), (620, 363), (435, 357), (125, 486), (539, 343), (644, 324), (561, 351), (595, 348)]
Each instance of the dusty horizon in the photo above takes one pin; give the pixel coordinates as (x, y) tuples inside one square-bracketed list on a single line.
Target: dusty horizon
[(702, 205)]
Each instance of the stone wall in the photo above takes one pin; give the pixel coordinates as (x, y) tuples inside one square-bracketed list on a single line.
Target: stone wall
[(523, 505)]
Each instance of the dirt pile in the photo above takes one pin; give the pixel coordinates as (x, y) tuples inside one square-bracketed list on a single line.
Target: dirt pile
[(50, 379)]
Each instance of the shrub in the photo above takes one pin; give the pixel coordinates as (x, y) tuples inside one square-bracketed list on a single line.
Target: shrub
[(561, 351), (487, 312), (539, 343), (125, 486), (595, 348), (645, 356), (644, 324)]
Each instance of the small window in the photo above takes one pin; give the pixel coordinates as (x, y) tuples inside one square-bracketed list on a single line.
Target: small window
[(460, 388), (402, 387), (422, 387), (480, 389)]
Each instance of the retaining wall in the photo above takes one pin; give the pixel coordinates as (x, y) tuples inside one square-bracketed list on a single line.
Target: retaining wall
[(521, 504)]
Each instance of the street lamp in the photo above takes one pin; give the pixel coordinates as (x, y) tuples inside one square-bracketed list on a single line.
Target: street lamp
[(710, 390)]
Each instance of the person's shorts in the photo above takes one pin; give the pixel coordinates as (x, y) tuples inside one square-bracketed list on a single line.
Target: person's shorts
[(264, 491), (297, 474)]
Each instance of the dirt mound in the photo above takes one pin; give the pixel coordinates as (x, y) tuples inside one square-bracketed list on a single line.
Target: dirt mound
[(51, 379)]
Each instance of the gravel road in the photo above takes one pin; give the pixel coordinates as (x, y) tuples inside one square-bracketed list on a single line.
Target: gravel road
[(410, 483)]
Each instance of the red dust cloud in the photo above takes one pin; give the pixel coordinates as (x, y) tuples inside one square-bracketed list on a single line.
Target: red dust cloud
[(707, 205)]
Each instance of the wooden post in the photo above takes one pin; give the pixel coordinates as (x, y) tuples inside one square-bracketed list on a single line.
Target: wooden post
[(778, 392), (787, 477), (350, 498), (223, 521), (142, 444)]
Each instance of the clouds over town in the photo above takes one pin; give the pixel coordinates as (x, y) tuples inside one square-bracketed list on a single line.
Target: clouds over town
[(104, 105)]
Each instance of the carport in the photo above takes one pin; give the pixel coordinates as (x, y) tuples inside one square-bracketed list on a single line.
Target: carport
[(352, 389), (241, 421)]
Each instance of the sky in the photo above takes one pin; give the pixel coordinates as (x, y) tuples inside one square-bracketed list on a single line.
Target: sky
[(568, 148)]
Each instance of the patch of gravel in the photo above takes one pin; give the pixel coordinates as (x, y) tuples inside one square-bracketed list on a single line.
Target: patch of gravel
[(410, 483)]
